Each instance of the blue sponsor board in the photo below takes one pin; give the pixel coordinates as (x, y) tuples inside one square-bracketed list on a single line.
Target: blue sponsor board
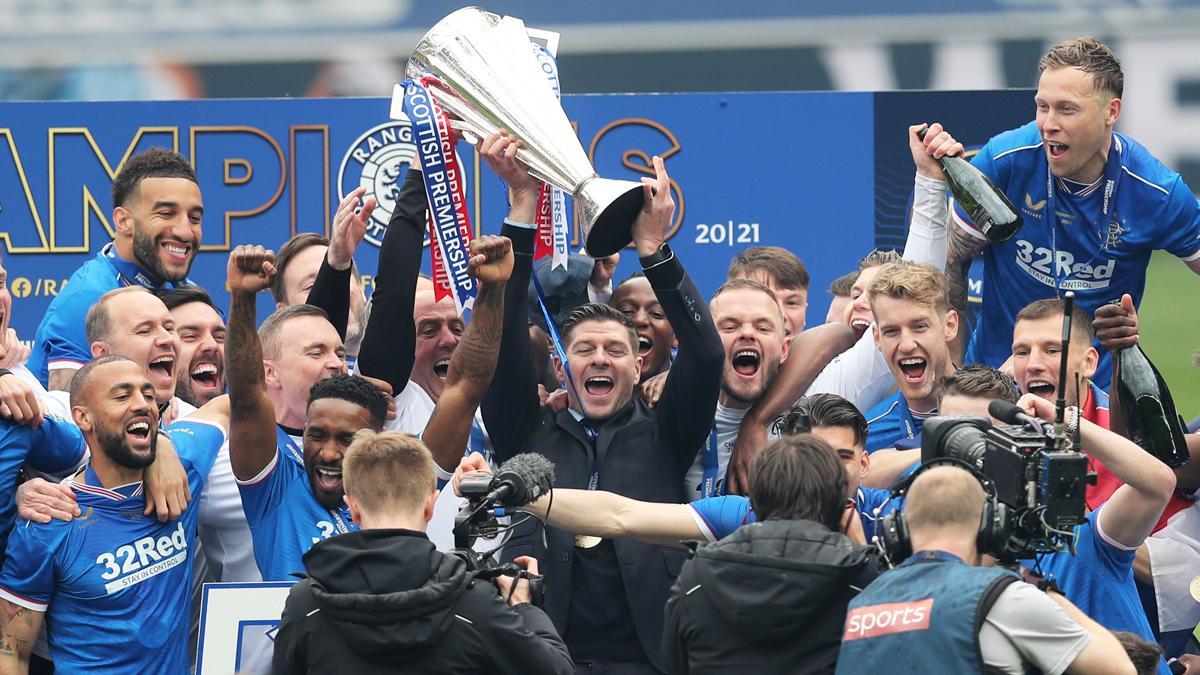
[(796, 170)]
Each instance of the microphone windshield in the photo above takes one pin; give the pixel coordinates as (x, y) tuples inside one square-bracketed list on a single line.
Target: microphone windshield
[(1005, 411), (530, 475)]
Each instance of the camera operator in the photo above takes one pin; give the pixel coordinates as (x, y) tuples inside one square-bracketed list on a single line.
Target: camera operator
[(384, 600), (1099, 576), (938, 612)]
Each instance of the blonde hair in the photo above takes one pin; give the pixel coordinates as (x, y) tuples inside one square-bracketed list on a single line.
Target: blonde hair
[(1091, 56), (388, 471), (944, 497), (905, 280)]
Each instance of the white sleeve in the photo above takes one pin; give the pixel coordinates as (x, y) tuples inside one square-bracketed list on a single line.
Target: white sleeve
[(859, 375), (1175, 561), (927, 242), (1027, 625)]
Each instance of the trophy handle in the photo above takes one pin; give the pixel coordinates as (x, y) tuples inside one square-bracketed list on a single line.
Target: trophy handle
[(469, 133)]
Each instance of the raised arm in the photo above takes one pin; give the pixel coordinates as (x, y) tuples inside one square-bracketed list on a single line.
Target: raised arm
[(474, 360), (389, 343), (1131, 513), (511, 404), (252, 439), (19, 629), (689, 398), (331, 288), (927, 227)]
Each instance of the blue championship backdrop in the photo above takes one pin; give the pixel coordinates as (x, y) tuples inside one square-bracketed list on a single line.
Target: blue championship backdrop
[(826, 175)]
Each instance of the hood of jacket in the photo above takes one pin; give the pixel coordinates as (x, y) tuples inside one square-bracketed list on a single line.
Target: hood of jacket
[(771, 580), (386, 592)]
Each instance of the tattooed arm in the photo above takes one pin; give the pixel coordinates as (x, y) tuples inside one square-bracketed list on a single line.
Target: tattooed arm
[(474, 359), (252, 442), (18, 632), (962, 250)]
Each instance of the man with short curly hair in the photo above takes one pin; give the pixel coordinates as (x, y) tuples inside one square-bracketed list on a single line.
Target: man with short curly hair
[(156, 214)]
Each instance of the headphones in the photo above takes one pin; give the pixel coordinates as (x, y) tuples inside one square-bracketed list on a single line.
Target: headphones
[(892, 535)]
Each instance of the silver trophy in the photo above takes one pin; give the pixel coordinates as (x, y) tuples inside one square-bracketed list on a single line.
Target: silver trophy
[(483, 74)]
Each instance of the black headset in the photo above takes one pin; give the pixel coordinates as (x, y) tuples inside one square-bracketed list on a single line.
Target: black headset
[(995, 525)]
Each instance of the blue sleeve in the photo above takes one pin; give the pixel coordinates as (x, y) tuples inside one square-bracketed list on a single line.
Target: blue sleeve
[(63, 337), (198, 442), (264, 493), (27, 579), (722, 515), (57, 446), (1116, 562), (881, 433), (1180, 229)]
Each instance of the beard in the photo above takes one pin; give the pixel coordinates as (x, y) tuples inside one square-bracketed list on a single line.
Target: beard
[(145, 251), (114, 445)]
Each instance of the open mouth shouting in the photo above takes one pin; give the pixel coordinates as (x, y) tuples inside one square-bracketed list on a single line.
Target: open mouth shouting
[(162, 368), (913, 369), (328, 477), (137, 431), (1041, 388), (1056, 149), (598, 385), (645, 344), (206, 375), (746, 362), (441, 367)]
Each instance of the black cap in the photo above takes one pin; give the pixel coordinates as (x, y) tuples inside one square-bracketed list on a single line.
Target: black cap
[(565, 289)]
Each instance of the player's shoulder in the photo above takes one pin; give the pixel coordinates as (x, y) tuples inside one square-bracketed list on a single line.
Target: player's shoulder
[(885, 408), (28, 537), (196, 430), (1151, 178), (1015, 144), (94, 276), (93, 279)]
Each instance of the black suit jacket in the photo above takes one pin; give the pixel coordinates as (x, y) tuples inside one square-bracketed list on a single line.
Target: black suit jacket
[(640, 452)]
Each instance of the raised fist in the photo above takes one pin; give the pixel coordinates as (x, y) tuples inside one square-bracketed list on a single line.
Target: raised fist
[(491, 260), (251, 269)]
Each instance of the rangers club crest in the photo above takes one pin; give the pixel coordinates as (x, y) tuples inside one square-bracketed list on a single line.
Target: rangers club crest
[(379, 161)]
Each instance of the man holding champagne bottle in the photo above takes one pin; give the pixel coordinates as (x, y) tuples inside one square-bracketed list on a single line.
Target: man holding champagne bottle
[(1094, 202)]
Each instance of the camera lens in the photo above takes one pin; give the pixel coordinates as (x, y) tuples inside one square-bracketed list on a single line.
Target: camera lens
[(961, 438)]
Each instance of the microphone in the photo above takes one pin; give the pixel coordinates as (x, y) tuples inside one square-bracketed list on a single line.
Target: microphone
[(1011, 413), (521, 480)]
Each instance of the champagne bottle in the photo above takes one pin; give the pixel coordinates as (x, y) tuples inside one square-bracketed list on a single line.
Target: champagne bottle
[(988, 207), (1150, 416)]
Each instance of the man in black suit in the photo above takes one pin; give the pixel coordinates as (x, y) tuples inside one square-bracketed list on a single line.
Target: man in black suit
[(606, 597)]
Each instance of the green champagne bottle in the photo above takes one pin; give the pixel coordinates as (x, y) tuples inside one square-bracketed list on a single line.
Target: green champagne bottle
[(988, 207), (1150, 416)]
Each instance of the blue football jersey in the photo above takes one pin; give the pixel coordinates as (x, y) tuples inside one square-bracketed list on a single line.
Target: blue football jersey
[(1098, 579), (61, 340), (718, 517), (1094, 239), (55, 447), (115, 584), (891, 422), (284, 515)]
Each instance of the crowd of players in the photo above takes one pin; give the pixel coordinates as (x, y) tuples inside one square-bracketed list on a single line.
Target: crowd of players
[(319, 441)]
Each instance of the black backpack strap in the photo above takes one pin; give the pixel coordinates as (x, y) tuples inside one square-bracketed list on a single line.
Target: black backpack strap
[(986, 601)]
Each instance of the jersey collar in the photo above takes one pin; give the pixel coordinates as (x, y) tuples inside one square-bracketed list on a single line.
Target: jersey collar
[(93, 486)]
